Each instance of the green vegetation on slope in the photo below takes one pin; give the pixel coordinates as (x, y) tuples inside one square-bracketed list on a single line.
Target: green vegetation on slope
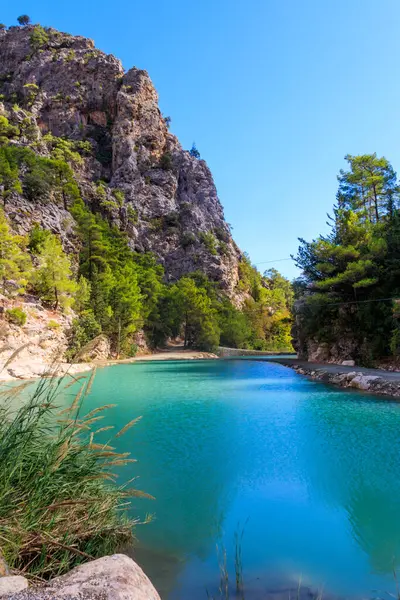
[(112, 289), (349, 274)]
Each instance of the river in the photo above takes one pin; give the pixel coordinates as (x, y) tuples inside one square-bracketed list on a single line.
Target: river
[(307, 474)]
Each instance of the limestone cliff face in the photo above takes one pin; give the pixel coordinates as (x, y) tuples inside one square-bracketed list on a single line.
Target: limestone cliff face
[(63, 85)]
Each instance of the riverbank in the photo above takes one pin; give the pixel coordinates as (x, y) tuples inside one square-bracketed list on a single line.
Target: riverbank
[(20, 368), (376, 381)]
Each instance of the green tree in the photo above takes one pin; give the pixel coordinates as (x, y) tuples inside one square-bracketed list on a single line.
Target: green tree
[(235, 327), (194, 152), (7, 131), (53, 278), (82, 295), (9, 174), (83, 330), (125, 302), (370, 185), (195, 314), (37, 237), (15, 263), (350, 275), (24, 20), (94, 252)]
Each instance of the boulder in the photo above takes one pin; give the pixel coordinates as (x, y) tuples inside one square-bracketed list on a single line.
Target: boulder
[(348, 363), (97, 349), (11, 585), (115, 577), (364, 382)]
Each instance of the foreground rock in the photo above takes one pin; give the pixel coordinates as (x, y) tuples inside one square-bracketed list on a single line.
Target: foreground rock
[(11, 585), (115, 577)]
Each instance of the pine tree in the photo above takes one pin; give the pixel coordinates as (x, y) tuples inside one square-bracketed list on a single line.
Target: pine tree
[(194, 152), (53, 278), (125, 303), (15, 264), (24, 20), (194, 311), (82, 295), (370, 185)]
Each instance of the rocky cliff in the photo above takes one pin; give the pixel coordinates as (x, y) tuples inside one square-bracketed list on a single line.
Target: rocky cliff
[(52, 82)]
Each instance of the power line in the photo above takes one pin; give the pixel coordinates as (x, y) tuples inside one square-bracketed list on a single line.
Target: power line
[(357, 301), (272, 261)]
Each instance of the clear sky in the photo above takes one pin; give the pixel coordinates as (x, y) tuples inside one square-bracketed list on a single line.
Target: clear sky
[(274, 92)]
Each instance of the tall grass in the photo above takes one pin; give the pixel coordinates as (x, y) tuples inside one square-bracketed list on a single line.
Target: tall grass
[(59, 503)]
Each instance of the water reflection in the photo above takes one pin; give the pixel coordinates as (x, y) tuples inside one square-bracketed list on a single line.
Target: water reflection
[(316, 471), (352, 455)]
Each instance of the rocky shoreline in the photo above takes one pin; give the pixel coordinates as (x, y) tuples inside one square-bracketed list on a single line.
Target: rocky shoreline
[(375, 381)]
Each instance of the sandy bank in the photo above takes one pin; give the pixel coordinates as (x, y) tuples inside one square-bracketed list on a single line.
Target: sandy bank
[(20, 368)]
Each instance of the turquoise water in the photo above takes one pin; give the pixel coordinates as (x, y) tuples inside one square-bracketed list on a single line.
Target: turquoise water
[(312, 474)]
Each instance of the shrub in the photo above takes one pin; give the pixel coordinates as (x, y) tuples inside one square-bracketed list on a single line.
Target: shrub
[(36, 187), (223, 248), (70, 56), (166, 161), (84, 329), (37, 237), (208, 240), (53, 324), (7, 130), (119, 196), (2, 27), (57, 505), (16, 316), (188, 239), (221, 234), (39, 37), (171, 220), (156, 224), (133, 216)]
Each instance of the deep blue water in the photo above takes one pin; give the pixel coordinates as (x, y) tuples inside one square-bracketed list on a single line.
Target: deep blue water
[(312, 474)]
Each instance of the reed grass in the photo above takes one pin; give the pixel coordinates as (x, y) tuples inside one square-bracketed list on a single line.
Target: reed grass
[(60, 504)]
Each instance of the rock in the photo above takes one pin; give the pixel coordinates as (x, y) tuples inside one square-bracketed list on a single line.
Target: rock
[(318, 352), (4, 568), (115, 577), (97, 349), (12, 584), (348, 363), (364, 382), (170, 199)]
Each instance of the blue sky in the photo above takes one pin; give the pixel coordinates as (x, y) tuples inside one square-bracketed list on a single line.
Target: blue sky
[(274, 92)]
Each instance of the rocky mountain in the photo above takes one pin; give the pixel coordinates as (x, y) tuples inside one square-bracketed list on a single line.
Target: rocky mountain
[(135, 172)]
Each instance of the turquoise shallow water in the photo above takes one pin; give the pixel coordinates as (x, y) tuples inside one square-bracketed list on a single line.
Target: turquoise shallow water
[(311, 472)]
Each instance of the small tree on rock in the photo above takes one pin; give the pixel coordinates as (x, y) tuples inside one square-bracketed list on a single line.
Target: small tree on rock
[(194, 152), (24, 20), (2, 27)]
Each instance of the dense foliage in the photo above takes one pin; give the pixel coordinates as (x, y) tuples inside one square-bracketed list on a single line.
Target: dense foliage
[(351, 277), (112, 289)]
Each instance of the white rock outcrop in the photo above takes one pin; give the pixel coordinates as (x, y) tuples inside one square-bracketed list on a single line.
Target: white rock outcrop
[(115, 577), (11, 585)]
